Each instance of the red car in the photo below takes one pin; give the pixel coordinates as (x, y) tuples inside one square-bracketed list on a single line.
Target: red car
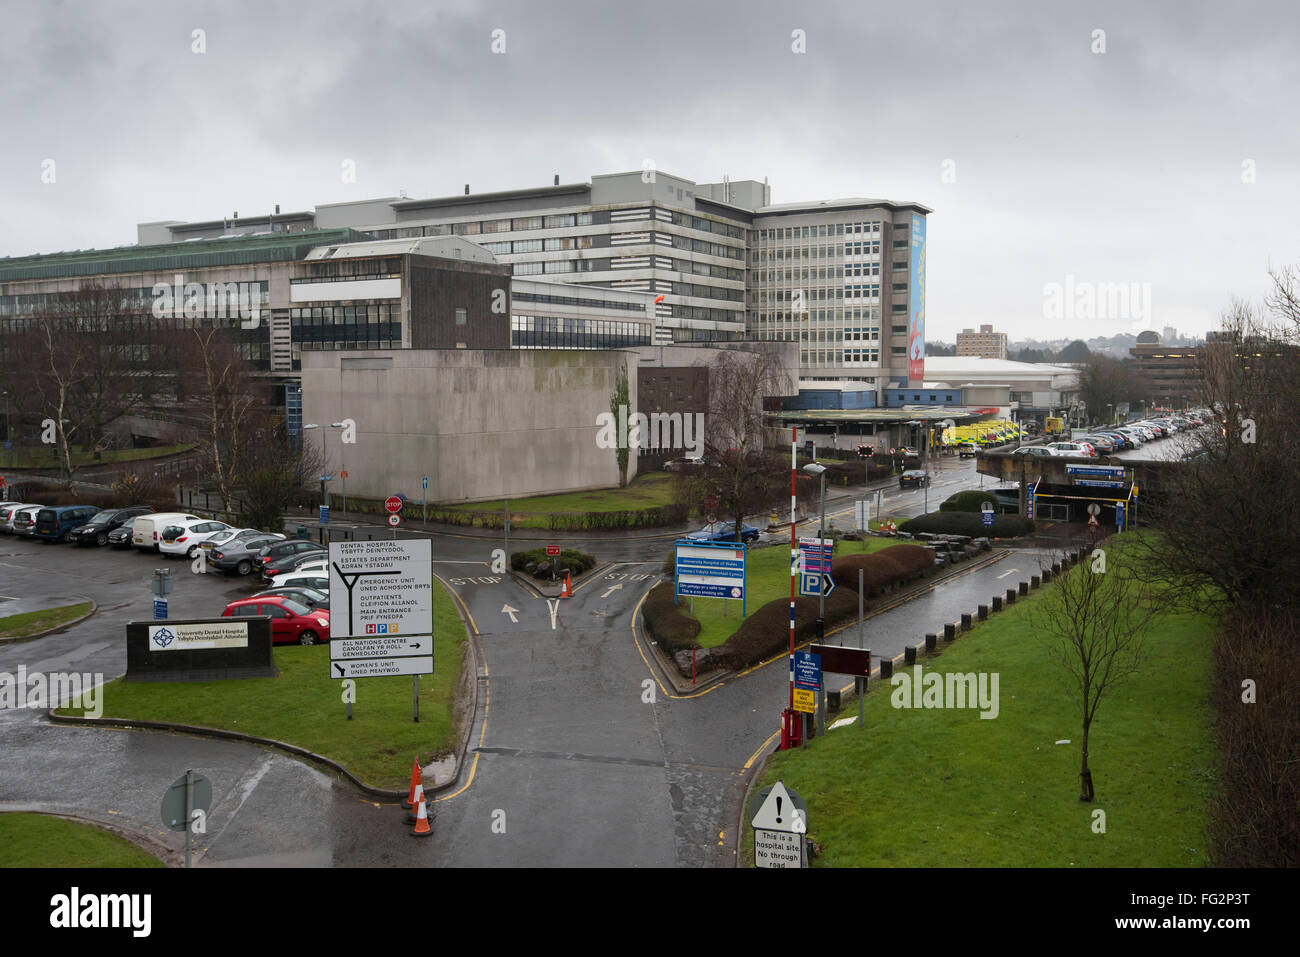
[(291, 621)]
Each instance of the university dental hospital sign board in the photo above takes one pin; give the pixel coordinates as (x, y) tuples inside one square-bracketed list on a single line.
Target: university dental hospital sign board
[(381, 608)]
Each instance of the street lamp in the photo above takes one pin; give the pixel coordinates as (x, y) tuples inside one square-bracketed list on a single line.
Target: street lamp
[(324, 474)]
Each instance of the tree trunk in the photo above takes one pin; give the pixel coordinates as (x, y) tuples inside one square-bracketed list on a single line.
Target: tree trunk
[(1085, 775)]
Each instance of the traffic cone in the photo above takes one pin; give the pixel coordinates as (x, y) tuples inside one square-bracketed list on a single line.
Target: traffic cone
[(416, 801), (422, 828), (567, 591), (409, 800)]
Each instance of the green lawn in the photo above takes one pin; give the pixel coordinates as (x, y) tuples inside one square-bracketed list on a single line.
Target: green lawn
[(39, 840), (41, 456), (768, 578), (303, 706), (943, 788), (34, 622), (645, 491)]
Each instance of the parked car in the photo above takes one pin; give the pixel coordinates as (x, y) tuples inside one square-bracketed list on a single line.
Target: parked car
[(914, 478), (308, 596), (120, 537), (291, 620), (239, 555), (689, 463), (1040, 451), (725, 532), (285, 556), (8, 513), (146, 530), (1101, 443), (24, 522), (186, 538), (1077, 449), (302, 580), (968, 450), (96, 531), (55, 522)]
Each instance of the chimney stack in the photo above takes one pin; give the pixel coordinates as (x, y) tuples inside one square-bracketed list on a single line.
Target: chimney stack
[(557, 179), (467, 189), (277, 209)]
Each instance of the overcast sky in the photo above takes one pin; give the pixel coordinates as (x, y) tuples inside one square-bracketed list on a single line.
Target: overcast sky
[(1117, 167)]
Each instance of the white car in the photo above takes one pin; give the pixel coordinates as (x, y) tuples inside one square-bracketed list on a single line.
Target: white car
[(186, 538), (318, 580), (313, 565), (8, 513), (146, 531)]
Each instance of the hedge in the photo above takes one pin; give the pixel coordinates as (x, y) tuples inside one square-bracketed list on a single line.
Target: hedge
[(972, 500), (885, 568), (569, 560), (968, 523), (667, 623), (655, 517)]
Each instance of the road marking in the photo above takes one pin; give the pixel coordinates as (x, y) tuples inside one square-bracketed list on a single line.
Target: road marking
[(555, 607), (507, 610), (487, 703), (761, 748), (1009, 572), (455, 596), (611, 589)]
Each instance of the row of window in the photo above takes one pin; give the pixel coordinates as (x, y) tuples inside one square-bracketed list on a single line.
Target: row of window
[(576, 301), (552, 332), (854, 357), (823, 231), (352, 269), (140, 299), (317, 316)]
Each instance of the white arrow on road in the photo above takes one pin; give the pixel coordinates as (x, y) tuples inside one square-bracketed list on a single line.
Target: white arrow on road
[(507, 610), (555, 607), (611, 589)]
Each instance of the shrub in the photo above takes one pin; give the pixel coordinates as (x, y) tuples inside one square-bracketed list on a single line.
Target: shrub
[(666, 622), (972, 500), (537, 563), (767, 631), (889, 566), (968, 523)]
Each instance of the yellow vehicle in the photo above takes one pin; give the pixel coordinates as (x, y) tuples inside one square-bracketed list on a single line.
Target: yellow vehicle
[(1054, 426)]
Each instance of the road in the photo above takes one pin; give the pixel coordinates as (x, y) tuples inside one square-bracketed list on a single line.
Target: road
[(581, 754)]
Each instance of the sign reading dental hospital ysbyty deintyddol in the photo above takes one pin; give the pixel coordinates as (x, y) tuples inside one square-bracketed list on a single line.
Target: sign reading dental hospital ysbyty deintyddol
[(780, 825), (381, 608)]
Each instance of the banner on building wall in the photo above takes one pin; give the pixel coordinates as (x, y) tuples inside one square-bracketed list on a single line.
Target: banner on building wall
[(916, 305)]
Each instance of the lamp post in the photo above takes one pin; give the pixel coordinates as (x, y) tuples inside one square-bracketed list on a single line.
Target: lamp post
[(342, 468), (324, 475)]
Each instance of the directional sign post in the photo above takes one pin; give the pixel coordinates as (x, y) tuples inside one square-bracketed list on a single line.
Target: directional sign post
[(189, 794), (986, 516), (710, 570), (779, 818), (381, 593)]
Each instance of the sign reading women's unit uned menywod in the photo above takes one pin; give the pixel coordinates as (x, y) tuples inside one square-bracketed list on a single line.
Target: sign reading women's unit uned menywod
[(381, 608)]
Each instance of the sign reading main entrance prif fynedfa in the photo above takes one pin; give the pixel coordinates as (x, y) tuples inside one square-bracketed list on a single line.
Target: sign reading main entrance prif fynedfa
[(381, 603)]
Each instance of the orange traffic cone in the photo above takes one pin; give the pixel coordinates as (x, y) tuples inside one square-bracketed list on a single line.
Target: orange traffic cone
[(568, 590), (422, 828), (409, 801), (415, 802)]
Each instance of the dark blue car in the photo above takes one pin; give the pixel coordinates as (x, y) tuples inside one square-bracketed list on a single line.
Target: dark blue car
[(724, 532)]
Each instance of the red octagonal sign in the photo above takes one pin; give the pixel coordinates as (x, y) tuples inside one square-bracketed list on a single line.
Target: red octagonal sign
[(393, 504)]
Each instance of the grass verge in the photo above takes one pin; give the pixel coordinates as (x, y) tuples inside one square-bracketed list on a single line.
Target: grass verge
[(39, 457), (39, 840), (645, 491), (945, 788), (34, 622), (303, 706)]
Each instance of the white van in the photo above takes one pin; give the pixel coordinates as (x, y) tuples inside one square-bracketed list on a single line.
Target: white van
[(146, 531)]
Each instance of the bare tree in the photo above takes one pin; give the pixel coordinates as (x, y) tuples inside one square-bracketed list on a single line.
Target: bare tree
[(1093, 619), (741, 478)]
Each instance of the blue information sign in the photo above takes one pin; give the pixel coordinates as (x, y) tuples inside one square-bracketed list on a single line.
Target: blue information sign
[(324, 514), (709, 570), (160, 609), (424, 481), (807, 670), (987, 519)]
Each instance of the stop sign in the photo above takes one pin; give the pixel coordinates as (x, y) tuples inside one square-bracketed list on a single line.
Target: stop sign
[(393, 504)]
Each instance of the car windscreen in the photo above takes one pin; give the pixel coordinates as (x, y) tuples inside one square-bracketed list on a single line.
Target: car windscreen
[(101, 518), (297, 607)]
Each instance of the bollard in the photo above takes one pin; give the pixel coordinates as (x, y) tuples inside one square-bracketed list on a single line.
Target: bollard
[(931, 641), (832, 701), (949, 631), (1056, 568), (1035, 581), (997, 602), (909, 655), (1024, 588), (886, 668), (983, 612), (1047, 574), (965, 621), (1011, 596)]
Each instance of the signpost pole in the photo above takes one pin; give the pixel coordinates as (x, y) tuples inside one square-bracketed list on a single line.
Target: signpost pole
[(794, 556), (189, 803), (415, 698)]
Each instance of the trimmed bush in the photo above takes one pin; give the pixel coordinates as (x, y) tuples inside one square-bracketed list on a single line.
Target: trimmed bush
[(972, 500), (537, 563), (968, 523), (889, 566), (666, 622)]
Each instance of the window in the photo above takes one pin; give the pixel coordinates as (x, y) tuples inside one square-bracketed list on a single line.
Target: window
[(527, 222), (461, 316)]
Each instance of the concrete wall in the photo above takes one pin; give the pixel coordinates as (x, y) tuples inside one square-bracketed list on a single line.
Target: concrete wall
[(481, 424)]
